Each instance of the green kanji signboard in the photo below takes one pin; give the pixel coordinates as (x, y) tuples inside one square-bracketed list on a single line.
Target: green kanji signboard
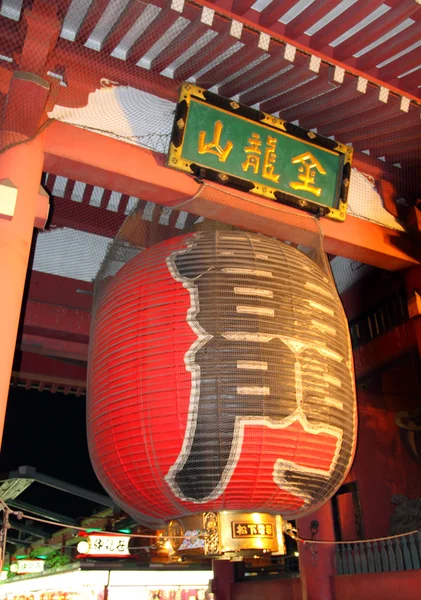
[(218, 139)]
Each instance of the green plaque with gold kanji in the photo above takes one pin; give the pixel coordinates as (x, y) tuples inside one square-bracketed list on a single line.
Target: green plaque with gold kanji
[(220, 140)]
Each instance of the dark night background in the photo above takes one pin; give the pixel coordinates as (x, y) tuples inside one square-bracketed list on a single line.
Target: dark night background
[(48, 431)]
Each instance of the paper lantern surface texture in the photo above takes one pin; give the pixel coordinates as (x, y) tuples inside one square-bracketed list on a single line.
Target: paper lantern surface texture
[(220, 378)]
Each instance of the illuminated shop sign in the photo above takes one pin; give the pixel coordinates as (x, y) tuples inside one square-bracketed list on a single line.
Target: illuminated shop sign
[(28, 566), (104, 545)]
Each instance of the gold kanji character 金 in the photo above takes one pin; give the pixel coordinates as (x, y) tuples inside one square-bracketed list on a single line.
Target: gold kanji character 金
[(269, 160), (307, 173), (253, 152), (214, 147)]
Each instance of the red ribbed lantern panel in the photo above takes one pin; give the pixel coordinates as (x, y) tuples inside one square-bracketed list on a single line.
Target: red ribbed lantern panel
[(220, 378)]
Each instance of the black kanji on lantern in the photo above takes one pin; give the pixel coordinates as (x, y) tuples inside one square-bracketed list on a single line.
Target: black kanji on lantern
[(251, 361)]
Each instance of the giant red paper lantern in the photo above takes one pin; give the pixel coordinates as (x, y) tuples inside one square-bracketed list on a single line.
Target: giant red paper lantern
[(220, 378)]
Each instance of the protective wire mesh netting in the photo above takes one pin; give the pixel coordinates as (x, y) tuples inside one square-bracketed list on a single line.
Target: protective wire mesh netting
[(143, 227), (244, 351), (115, 68), (384, 501), (136, 54)]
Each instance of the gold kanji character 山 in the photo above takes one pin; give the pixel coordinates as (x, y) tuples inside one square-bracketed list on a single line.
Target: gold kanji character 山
[(253, 152), (307, 173), (269, 159), (214, 147)]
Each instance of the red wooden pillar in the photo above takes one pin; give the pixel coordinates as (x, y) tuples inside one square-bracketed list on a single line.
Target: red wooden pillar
[(316, 560), (223, 578), (23, 203), (23, 207), (413, 290)]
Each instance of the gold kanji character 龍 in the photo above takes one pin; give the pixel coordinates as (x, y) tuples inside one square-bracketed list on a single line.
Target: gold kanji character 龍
[(253, 152), (214, 147), (269, 160), (307, 173)]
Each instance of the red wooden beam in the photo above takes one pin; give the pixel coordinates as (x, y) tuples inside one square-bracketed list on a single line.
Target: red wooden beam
[(239, 7), (106, 162), (48, 383), (95, 12), (380, 171), (12, 36), (275, 9), (369, 292), (398, 152), (54, 347), (412, 80), (122, 26), (66, 213), (344, 131), (275, 63), (382, 25), (54, 321), (340, 94), (25, 104), (406, 63), (384, 349), (308, 17), (277, 33), (239, 60), (40, 366), (84, 73), (215, 48), (371, 120), (340, 25), (63, 291), (314, 87), (98, 220), (356, 103), (166, 18), (298, 74), (99, 160), (317, 86), (377, 142), (404, 120), (41, 36), (393, 46), (190, 35)]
